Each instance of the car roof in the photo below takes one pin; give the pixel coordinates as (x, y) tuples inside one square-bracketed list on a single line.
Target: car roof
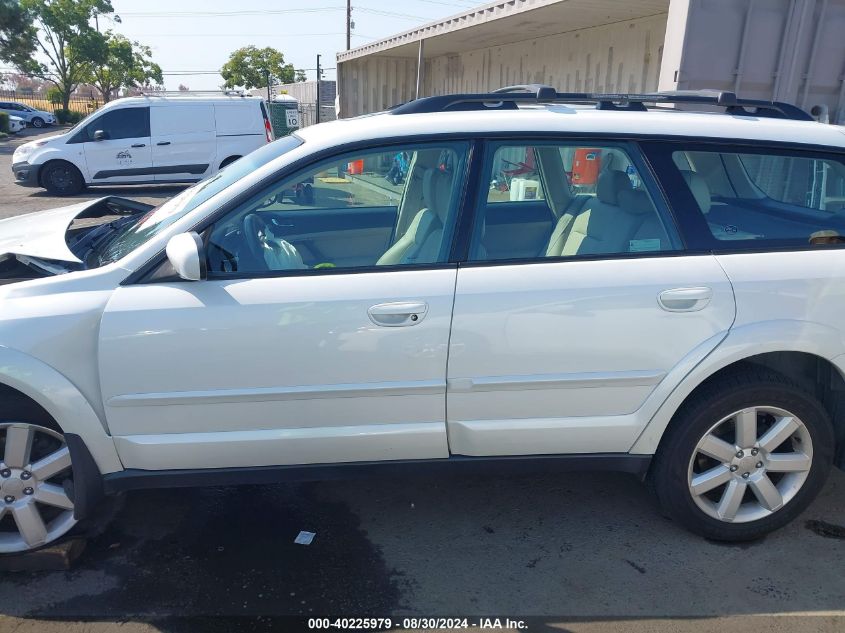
[(564, 119), (156, 100)]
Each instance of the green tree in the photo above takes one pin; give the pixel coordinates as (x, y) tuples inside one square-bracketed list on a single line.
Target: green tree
[(250, 67), (127, 65), (17, 33), (60, 33), (300, 75)]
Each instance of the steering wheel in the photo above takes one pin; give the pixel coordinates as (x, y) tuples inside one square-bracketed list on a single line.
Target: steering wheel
[(254, 231)]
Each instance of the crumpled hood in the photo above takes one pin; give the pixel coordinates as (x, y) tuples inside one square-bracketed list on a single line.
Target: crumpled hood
[(41, 234)]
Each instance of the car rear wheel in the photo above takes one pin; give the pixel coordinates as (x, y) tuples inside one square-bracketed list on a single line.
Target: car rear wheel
[(62, 179), (35, 476), (744, 456), (37, 121)]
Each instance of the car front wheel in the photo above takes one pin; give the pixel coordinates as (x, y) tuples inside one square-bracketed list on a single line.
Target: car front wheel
[(35, 474), (744, 456), (62, 179), (37, 122)]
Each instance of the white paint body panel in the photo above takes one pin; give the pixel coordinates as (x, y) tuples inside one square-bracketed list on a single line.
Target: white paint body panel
[(293, 369), (298, 355), (558, 357)]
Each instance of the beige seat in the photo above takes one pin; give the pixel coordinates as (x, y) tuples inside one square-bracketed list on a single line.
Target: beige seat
[(422, 241), (699, 188), (606, 225)]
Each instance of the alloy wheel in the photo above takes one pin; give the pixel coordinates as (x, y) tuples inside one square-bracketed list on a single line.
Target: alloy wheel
[(750, 464), (35, 472)]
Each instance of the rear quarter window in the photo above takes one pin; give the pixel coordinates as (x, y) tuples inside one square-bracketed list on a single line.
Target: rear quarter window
[(757, 197)]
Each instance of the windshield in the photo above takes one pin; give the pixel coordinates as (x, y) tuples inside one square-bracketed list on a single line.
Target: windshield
[(126, 239)]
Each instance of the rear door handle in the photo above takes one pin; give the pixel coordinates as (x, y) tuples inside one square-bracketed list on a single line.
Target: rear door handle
[(139, 145), (398, 313), (163, 143), (685, 299)]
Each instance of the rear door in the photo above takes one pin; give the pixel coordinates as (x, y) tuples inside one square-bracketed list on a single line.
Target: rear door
[(122, 152), (184, 144), (558, 352)]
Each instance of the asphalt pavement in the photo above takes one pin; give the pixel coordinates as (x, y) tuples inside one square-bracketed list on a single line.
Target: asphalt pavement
[(582, 552)]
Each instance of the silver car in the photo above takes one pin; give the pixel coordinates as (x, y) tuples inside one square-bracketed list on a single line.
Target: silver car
[(33, 117)]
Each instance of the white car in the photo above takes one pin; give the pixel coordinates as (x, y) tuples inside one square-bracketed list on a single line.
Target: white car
[(552, 281), (16, 124), (35, 118), (145, 140)]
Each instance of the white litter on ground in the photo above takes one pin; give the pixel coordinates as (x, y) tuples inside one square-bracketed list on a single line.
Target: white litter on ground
[(304, 538)]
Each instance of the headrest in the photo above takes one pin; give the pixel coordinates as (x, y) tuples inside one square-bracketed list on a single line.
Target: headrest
[(610, 183), (437, 191), (635, 201), (699, 188)]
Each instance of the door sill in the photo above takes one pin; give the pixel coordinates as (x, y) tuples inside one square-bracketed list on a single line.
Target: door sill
[(136, 479)]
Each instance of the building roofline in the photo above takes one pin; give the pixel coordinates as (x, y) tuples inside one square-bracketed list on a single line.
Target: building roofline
[(471, 17)]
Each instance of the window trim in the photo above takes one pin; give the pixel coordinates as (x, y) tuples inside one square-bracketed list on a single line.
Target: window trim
[(693, 224)]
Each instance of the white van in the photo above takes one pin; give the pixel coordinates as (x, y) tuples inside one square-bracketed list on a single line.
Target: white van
[(146, 140)]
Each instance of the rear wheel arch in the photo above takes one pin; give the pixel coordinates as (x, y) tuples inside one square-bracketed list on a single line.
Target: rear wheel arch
[(229, 160), (814, 374)]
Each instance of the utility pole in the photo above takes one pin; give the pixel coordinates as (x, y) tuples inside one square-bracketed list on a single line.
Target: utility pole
[(267, 76), (348, 24), (319, 79)]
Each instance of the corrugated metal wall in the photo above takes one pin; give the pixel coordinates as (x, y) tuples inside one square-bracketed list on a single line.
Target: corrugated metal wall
[(621, 57), (784, 50)]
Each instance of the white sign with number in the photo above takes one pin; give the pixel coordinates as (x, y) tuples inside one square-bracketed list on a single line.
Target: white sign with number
[(292, 118)]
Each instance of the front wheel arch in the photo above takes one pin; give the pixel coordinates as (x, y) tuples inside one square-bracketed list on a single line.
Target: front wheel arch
[(45, 169)]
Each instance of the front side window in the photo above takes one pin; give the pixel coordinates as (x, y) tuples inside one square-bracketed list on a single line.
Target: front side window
[(387, 207), (566, 200), (767, 195), (118, 124)]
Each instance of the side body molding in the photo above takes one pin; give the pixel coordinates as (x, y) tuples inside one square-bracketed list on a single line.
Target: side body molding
[(741, 343), (62, 400)]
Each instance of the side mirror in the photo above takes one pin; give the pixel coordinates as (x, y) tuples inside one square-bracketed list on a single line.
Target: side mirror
[(185, 254), (100, 135)]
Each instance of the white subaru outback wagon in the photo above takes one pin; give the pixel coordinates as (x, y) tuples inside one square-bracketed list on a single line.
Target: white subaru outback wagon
[(516, 279)]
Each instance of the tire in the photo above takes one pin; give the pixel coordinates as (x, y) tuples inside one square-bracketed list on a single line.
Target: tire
[(62, 178), (743, 506), (46, 441), (37, 122)]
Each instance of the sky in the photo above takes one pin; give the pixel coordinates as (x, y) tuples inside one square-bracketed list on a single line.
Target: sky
[(192, 39)]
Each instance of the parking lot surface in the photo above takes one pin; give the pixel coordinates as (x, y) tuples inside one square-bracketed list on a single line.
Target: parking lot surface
[(586, 551)]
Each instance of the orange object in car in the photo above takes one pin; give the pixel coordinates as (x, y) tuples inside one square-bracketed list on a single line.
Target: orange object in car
[(356, 167), (586, 165)]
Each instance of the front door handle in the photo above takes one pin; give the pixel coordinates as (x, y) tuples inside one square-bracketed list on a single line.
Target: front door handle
[(398, 313), (163, 143), (685, 299), (139, 145)]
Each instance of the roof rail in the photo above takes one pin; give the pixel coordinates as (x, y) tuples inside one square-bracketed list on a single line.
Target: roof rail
[(510, 97), (190, 93)]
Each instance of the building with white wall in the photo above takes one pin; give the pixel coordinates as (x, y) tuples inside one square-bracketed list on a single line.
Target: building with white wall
[(784, 50)]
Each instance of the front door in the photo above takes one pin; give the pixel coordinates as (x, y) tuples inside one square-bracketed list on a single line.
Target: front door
[(320, 336), (558, 352), (117, 146)]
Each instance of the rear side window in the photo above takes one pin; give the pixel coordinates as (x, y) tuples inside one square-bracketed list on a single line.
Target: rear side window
[(563, 200), (118, 124), (767, 195)]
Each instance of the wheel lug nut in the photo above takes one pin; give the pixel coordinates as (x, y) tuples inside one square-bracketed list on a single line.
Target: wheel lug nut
[(754, 451), (9, 499), (740, 454), (734, 468), (746, 475), (28, 491), (26, 475), (5, 473)]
